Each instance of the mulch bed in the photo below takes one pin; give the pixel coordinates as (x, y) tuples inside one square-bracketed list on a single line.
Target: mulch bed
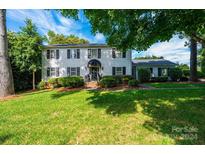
[(9, 97)]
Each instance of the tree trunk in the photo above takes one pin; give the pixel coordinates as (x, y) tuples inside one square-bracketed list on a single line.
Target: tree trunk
[(6, 77), (193, 60), (203, 58), (34, 86)]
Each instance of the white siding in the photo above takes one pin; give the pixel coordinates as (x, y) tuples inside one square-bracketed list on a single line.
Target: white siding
[(106, 60)]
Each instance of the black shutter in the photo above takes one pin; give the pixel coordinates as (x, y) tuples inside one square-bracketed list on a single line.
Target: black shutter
[(78, 53), (68, 71), (57, 71), (113, 53), (57, 54), (68, 54), (89, 53), (159, 71), (113, 70), (99, 53), (78, 71), (123, 54), (48, 54), (48, 71), (124, 70)]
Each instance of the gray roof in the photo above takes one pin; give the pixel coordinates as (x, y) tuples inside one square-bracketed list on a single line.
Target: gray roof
[(153, 62), (75, 45)]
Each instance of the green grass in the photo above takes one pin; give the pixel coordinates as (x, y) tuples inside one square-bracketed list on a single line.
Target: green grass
[(104, 117), (175, 85)]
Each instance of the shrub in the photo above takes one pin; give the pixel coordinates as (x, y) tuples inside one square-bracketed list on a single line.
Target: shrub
[(186, 72), (53, 83), (133, 83), (71, 81), (200, 74), (119, 78), (42, 85), (144, 75), (108, 82), (126, 79), (175, 74), (159, 79), (184, 79)]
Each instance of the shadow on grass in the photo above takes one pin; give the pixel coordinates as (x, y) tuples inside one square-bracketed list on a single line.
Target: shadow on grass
[(35, 92), (178, 114), (60, 94), (115, 103), (4, 138)]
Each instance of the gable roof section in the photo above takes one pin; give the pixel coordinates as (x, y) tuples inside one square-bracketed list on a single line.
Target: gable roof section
[(152, 62)]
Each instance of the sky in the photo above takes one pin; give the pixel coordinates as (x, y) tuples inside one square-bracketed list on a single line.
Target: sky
[(45, 20)]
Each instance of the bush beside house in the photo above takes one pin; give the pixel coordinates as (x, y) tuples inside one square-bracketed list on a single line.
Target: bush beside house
[(144, 75), (108, 82), (70, 82), (112, 81), (133, 83), (175, 74), (159, 79)]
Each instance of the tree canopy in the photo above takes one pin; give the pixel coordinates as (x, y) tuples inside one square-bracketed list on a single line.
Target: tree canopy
[(139, 29), (25, 48), (54, 38), (150, 57)]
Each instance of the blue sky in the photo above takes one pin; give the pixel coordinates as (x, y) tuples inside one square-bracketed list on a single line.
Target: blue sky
[(173, 50)]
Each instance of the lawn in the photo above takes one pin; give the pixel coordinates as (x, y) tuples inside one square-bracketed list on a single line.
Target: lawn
[(174, 116), (176, 85)]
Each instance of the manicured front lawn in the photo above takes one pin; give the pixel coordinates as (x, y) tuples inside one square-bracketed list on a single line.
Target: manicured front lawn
[(174, 116), (176, 85)]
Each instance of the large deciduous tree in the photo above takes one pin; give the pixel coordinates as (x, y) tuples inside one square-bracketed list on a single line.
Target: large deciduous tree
[(25, 49), (6, 78), (139, 29), (54, 38)]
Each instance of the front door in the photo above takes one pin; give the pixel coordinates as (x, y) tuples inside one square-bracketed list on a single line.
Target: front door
[(94, 71)]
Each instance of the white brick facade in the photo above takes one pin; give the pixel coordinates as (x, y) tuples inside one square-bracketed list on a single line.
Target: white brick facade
[(63, 62)]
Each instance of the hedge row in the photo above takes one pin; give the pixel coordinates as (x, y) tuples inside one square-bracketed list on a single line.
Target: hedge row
[(71, 82), (112, 81)]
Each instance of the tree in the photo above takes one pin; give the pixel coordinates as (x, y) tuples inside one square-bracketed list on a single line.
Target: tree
[(6, 78), (25, 49), (54, 38), (202, 58), (150, 57), (139, 29)]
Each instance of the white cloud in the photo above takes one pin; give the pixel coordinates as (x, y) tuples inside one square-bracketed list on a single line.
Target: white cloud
[(173, 50), (99, 37), (45, 21)]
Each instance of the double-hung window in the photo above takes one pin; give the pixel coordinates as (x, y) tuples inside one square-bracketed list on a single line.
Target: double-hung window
[(76, 53), (52, 71), (73, 71), (94, 53), (52, 54), (119, 71), (118, 54)]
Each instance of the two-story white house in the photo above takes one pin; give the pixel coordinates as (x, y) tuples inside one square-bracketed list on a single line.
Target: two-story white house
[(91, 61)]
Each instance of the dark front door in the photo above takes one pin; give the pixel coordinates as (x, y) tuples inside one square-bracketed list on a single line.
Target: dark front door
[(94, 73)]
